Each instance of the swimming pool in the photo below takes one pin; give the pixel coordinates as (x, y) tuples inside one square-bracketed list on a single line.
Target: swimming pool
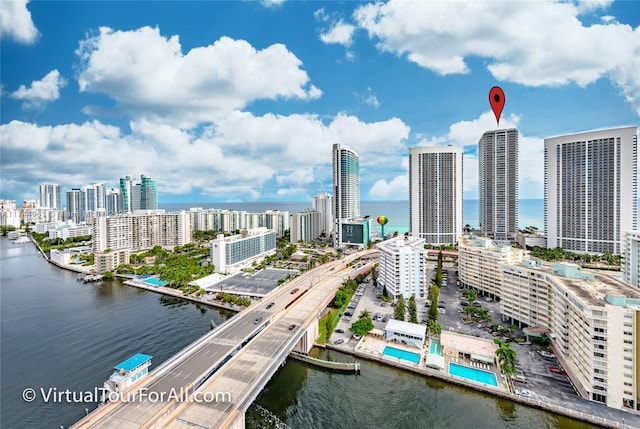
[(401, 354), (155, 281), (473, 374), (435, 348)]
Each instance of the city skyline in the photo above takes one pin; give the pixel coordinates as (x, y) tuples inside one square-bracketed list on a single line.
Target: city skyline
[(75, 110)]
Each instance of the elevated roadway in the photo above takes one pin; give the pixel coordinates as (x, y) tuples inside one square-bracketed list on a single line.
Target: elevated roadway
[(249, 347)]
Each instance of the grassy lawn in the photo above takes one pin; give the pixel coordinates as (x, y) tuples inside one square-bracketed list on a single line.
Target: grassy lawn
[(332, 318)]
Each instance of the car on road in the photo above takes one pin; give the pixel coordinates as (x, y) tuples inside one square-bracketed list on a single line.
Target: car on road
[(291, 327), (271, 305), (294, 290), (340, 331), (258, 319), (338, 342), (556, 370)]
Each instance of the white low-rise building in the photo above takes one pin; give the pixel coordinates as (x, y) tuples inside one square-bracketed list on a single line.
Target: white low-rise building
[(410, 334), (631, 257), (403, 268), (65, 231), (231, 254)]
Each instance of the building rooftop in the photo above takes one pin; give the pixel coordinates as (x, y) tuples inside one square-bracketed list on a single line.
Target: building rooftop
[(405, 327), (395, 244), (133, 362), (593, 292)]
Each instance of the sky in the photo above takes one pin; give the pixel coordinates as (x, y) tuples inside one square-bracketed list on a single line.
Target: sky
[(242, 100)]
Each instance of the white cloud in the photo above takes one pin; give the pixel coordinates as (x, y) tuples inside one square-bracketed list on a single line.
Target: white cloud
[(272, 3), (240, 156), (149, 76), (396, 189), (41, 91), (369, 98), (16, 22), (441, 36), (341, 33), (466, 134)]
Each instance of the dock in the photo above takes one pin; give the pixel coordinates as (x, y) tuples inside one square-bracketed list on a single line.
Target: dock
[(337, 366)]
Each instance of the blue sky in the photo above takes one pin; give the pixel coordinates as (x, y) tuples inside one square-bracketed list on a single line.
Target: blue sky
[(241, 101)]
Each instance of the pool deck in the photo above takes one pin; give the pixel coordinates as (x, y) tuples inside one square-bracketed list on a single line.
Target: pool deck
[(375, 347)]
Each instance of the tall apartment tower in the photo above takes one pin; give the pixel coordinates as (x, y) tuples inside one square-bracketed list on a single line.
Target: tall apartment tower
[(435, 194), (591, 189), (50, 196), (323, 203), (75, 205), (498, 172), (148, 193), (346, 186)]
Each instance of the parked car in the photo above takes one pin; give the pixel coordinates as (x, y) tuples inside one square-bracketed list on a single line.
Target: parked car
[(340, 331), (546, 354), (523, 392), (295, 290), (338, 342), (476, 304), (557, 370)]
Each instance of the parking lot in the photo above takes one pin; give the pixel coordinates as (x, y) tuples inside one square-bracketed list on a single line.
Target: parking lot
[(255, 284)]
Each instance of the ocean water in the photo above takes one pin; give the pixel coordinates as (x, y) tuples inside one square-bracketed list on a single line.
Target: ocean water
[(531, 211)]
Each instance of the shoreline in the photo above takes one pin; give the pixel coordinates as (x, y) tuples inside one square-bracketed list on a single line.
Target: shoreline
[(537, 404)]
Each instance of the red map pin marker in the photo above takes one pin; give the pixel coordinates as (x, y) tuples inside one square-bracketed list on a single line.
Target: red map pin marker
[(497, 99)]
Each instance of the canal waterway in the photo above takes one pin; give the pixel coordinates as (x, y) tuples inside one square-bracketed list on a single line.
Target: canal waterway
[(58, 333)]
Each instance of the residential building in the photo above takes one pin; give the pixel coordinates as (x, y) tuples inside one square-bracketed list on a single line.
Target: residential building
[(231, 254), (140, 231), (594, 324), (435, 194), (277, 221), (526, 239), (305, 226), (355, 232), (30, 204), (411, 334), (346, 188), (631, 257), (479, 263), (111, 259), (75, 210), (9, 215), (50, 196), (35, 215), (7, 205), (148, 193), (218, 219), (498, 174), (65, 231), (323, 203), (591, 189), (113, 202), (402, 270)]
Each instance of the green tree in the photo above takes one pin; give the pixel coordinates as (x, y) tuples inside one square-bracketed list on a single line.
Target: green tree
[(399, 310), (506, 356), (340, 298), (363, 325), (413, 310), (471, 295), (434, 327)]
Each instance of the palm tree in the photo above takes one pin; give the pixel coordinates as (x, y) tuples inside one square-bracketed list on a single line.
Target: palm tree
[(506, 356)]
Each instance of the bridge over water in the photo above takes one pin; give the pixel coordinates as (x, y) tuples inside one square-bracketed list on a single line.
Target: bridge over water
[(234, 362)]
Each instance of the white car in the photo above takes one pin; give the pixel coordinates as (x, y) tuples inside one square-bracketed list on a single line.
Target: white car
[(523, 392)]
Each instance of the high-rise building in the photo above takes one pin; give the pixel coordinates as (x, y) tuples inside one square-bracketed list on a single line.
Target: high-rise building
[(305, 226), (75, 205), (323, 203), (94, 197), (230, 254), (435, 194), (113, 201), (346, 187), (403, 267), (591, 189), (50, 196), (498, 173), (148, 193), (631, 257), (138, 195)]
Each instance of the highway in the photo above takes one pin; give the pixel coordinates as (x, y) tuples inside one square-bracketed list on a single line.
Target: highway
[(190, 367), (249, 371)]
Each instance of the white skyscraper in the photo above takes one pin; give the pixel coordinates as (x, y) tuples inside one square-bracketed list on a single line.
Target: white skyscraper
[(435, 194), (498, 173), (346, 186), (50, 196), (323, 203), (591, 189)]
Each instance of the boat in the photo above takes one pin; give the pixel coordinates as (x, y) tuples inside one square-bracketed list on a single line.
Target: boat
[(126, 374)]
